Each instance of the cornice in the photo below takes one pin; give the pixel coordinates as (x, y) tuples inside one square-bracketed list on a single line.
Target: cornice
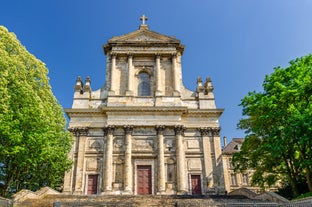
[(201, 112), (180, 109), (70, 112)]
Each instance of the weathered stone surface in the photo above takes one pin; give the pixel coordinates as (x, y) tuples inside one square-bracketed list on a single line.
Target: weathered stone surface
[(157, 123)]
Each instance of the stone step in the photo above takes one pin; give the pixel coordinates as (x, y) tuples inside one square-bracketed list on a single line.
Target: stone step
[(136, 201)]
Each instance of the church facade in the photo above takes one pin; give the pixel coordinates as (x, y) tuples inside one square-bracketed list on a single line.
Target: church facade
[(143, 132)]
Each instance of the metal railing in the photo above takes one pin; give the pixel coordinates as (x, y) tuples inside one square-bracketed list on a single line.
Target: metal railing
[(300, 203)]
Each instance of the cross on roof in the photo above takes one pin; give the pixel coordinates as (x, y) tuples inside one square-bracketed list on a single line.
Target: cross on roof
[(143, 18)]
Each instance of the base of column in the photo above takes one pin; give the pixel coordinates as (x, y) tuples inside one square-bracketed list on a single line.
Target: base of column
[(161, 193), (176, 93), (77, 193), (129, 93), (110, 92), (126, 193), (108, 193), (182, 192), (158, 93)]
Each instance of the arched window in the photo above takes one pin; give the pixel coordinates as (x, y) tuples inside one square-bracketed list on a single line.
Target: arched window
[(144, 87)]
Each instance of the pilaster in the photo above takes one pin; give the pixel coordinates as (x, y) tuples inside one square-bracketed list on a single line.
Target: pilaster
[(113, 85), (174, 75), (158, 76), (81, 137), (208, 162), (129, 91)]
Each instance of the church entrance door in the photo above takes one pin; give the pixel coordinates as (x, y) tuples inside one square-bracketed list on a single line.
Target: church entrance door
[(92, 184), (196, 185), (144, 179)]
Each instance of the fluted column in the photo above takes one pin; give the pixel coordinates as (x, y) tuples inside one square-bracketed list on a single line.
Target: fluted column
[(108, 167), (113, 74), (181, 169), (128, 164), (158, 76), (161, 159), (81, 136), (130, 76)]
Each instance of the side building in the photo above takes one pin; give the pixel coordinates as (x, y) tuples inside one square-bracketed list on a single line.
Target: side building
[(234, 180), (143, 132)]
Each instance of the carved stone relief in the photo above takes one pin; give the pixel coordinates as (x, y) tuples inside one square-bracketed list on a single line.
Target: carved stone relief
[(95, 144), (170, 145), (192, 144), (194, 164), (94, 164), (143, 145), (118, 144)]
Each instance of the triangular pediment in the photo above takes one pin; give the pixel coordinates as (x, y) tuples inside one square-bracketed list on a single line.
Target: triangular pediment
[(144, 36)]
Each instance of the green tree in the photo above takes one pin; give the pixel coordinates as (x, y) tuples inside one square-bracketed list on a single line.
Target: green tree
[(278, 124), (34, 143)]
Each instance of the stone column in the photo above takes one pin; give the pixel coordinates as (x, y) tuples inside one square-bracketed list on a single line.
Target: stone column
[(219, 180), (180, 153), (158, 76), (113, 74), (161, 159), (69, 175), (128, 161), (81, 137), (108, 167), (130, 76), (208, 162), (174, 75)]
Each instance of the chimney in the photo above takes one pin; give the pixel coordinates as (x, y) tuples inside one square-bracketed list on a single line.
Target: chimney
[(224, 141)]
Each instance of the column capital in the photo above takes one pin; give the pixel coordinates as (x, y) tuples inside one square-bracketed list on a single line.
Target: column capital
[(205, 131), (157, 55), (109, 129), (160, 129), (179, 129), (79, 131), (216, 131), (128, 129), (209, 131)]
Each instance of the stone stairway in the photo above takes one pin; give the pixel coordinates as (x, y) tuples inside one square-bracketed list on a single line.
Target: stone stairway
[(138, 201)]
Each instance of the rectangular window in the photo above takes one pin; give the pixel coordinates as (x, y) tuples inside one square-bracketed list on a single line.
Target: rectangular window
[(245, 179), (233, 179)]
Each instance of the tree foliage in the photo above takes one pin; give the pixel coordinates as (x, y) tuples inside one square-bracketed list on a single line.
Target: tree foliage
[(278, 124), (34, 143)]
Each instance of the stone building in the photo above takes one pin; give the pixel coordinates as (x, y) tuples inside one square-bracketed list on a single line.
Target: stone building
[(237, 180), (143, 132)]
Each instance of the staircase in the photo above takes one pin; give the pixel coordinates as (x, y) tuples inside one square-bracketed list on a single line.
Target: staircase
[(139, 201)]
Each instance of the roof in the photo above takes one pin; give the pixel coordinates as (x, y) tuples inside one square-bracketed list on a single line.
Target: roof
[(233, 146), (143, 37)]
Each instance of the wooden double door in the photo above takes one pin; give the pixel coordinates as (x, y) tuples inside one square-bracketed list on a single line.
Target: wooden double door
[(196, 185), (144, 179), (92, 184)]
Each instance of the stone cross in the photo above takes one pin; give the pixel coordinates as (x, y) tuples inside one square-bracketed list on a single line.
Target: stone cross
[(143, 18)]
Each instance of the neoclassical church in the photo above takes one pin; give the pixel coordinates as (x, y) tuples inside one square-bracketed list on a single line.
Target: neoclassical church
[(143, 132)]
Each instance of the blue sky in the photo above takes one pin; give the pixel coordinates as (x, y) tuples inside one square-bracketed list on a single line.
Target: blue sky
[(235, 42)]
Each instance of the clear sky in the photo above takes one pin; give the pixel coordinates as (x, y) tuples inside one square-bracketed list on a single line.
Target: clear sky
[(235, 42)]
